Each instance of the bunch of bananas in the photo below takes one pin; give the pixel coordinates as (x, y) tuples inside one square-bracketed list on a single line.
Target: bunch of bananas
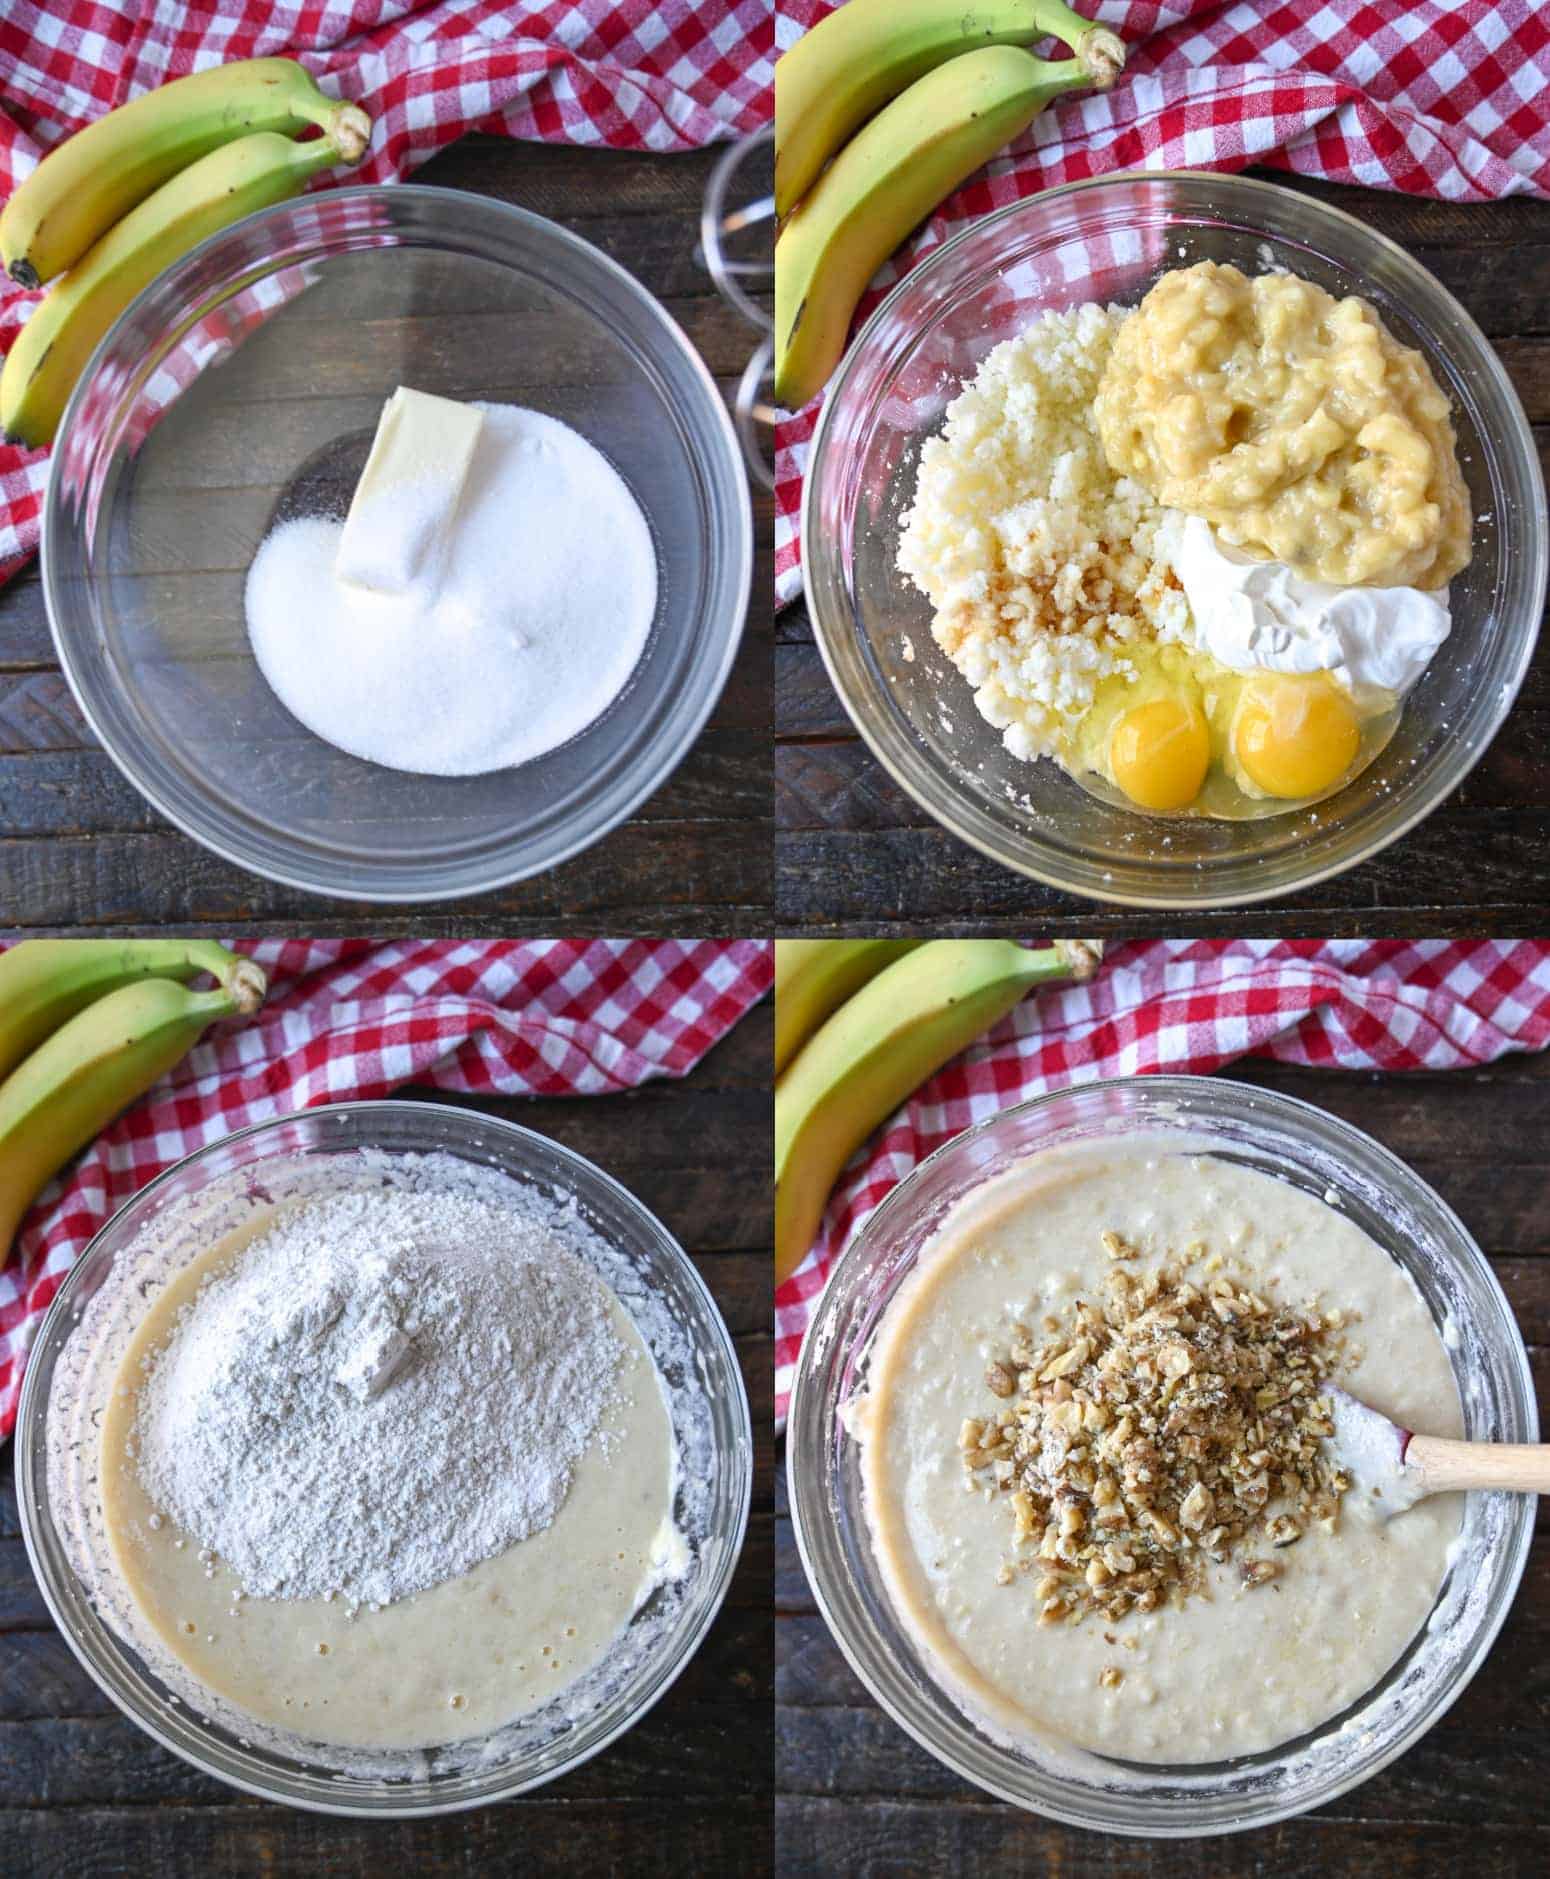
[(119, 202), (859, 1026), (86, 1027), (881, 111)]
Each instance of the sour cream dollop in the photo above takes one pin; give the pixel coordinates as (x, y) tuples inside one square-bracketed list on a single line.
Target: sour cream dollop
[(1263, 615)]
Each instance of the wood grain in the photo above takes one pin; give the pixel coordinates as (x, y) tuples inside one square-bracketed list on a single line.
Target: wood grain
[(84, 1792), (80, 849), (854, 853), (856, 1796)]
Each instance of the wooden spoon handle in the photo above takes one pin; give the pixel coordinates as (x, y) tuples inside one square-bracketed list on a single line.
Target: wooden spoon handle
[(1520, 1467)]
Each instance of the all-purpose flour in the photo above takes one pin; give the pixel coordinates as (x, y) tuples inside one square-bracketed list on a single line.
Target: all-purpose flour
[(384, 1389), (516, 637)]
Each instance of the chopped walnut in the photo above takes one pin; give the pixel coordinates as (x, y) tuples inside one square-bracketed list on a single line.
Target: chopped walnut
[(1156, 1432), (1195, 1508)]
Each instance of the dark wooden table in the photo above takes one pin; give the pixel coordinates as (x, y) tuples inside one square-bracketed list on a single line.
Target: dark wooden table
[(853, 852), (78, 846), (686, 1791), (855, 1796)]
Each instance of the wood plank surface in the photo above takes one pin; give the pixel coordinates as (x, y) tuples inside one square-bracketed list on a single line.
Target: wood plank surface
[(79, 848), (83, 1791), (856, 1796), (854, 852)]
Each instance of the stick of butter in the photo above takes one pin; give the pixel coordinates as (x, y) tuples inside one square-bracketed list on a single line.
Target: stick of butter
[(403, 506)]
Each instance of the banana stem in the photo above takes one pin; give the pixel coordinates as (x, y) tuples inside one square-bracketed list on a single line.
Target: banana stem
[(1103, 54), (348, 129), (1083, 957), (243, 978), (1059, 21), (1076, 960), (248, 984), (1050, 77)]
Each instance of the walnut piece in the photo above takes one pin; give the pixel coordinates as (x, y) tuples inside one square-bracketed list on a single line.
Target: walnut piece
[(1147, 1436)]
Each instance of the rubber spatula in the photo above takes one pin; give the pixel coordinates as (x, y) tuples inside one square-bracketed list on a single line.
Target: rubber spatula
[(1397, 1468)]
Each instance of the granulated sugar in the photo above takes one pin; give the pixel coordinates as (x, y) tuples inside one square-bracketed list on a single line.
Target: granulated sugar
[(521, 632), (384, 1389)]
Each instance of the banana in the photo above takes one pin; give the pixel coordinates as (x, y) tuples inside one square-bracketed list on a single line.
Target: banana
[(847, 68), (44, 982), (93, 179), (892, 174), (52, 349), (877, 1049), (813, 978), (95, 1065)]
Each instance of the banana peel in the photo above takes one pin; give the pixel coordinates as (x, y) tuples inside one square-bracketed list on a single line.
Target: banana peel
[(853, 62), (44, 982), (882, 185), (878, 1048), (52, 349), (93, 1067), (93, 179), (813, 978)]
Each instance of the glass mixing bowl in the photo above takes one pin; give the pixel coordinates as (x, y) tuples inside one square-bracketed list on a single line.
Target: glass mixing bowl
[(1108, 240), (1311, 1150), (243, 387), (75, 1358)]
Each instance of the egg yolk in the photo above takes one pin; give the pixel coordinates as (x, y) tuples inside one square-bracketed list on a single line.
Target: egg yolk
[(1295, 737), (1159, 753)]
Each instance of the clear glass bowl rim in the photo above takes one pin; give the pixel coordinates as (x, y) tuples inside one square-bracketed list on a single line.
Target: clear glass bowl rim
[(826, 580), (31, 1432), (812, 1414), (738, 552)]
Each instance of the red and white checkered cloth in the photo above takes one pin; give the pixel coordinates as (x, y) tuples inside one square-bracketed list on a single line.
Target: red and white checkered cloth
[(1445, 98), (347, 1020), (1193, 1006), (630, 74)]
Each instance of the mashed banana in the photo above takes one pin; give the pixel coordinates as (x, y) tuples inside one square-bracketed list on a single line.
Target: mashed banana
[(1292, 422)]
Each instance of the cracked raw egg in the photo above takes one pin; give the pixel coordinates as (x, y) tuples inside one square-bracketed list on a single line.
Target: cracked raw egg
[(1293, 736), (1159, 752)]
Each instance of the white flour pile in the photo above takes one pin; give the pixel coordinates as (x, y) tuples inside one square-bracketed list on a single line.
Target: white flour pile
[(384, 1389), (522, 630)]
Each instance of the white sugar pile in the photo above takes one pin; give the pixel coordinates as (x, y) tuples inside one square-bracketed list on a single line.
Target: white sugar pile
[(525, 629)]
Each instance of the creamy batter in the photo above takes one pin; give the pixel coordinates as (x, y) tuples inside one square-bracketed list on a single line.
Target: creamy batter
[(450, 1663), (1234, 1673)]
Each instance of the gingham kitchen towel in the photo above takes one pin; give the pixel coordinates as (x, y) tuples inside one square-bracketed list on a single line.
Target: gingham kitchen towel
[(630, 74), (1445, 98), (1193, 1006), (347, 1020)]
